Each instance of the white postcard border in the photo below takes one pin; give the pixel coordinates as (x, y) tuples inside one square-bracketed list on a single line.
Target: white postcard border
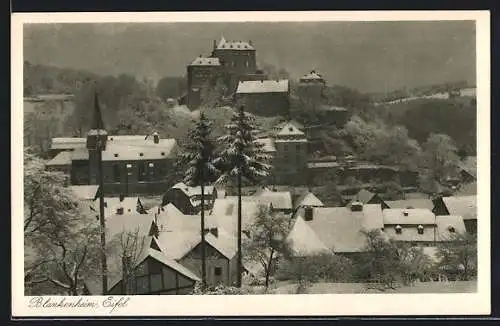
[(262, 305)]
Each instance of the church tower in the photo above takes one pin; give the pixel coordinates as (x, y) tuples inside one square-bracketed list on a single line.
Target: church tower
[(97, 138)]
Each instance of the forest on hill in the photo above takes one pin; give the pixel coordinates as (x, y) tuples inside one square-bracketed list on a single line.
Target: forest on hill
[(133, 106)]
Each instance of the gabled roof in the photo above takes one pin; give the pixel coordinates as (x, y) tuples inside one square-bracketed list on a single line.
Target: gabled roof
[(309, 199), (85, 192), (290, 129), (193, 191), (304, 241), (112, 204), (62, 158), (233, 45), (204, 61), (411, 203), (313, 75), (178, 243), (416, 216), (297, 124), (338, 228), (262, 86), (119, 148), (364, 196), (171, 219), (279, 199), (372, 217), (225, 212), (465, 206), (448, 223)]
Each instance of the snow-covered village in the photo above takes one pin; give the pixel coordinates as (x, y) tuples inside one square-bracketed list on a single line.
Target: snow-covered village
[(167, 159)]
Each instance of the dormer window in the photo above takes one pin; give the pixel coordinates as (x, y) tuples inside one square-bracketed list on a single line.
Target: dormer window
[(420, 229), (141, 154), (119, 211), (451, 229), (398, 229), (162, 153), (116, 155), (405, 213)]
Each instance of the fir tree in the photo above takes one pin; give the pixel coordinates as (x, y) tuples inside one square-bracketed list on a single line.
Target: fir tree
[(242, 158), (199, 157)]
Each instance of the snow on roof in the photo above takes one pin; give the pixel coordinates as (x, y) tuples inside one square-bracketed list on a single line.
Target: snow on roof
[(204, 61), (403, 216), (448, 226), (465, 206), (309, 199), (262, 86), (304, 241), (62, 158), (234, 45), (84, 192)]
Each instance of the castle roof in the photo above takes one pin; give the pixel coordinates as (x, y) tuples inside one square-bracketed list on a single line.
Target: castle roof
[(204, 61), (313, 75), (262, 86), (234, 45)]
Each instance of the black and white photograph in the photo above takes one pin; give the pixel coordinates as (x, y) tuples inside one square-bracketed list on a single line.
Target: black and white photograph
[(251, 157)]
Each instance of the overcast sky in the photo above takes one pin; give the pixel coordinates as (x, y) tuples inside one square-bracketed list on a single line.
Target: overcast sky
[(362, 55)]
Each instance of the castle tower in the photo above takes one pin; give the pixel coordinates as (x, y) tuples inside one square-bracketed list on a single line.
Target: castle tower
[(237, 58), (97, 138), (310, 90), (291, 155)]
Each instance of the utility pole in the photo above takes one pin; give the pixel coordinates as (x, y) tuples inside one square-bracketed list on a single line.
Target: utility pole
[(96, 144)]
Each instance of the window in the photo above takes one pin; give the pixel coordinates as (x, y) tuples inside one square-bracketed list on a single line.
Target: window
[(142, 171), (285, 148), (246, 63), (218, 271), (116, 154), (398, 229), (116, 173), (119, 211), (151, 170), (308, 214), (420, 229), (297, 147)]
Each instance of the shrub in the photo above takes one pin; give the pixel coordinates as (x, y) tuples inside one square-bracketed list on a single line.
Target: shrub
[(317, 267)]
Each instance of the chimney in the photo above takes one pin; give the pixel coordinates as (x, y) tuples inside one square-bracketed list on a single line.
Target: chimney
[(308, 213), (156, 138), (356, 206), (122, 197)]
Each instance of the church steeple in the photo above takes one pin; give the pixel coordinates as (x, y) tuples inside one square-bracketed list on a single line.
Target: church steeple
[(97, 135)]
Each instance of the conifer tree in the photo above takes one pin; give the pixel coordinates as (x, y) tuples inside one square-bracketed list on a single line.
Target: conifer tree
[(199, 157), (243, 158)]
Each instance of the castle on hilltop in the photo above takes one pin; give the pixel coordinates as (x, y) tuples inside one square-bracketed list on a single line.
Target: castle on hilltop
[(230, 70)]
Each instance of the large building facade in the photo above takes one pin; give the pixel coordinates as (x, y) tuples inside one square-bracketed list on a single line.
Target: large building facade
[(229, 63), (132, 164)]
